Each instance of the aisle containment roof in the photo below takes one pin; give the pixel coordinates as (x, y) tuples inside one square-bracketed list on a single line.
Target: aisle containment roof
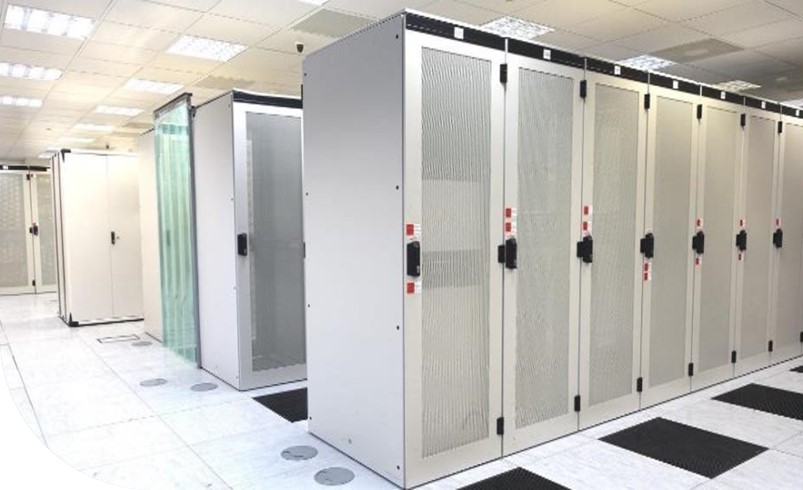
[(90, 72)]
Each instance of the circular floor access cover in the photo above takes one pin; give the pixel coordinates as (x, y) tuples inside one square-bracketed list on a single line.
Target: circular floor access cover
[(204, 387), (142, 343), (299, 453), (149, 383), (334, 476)]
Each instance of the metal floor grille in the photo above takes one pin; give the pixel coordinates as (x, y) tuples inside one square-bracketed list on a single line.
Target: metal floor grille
[(692, 449), (766, 399), (798, 369), (517, 479)]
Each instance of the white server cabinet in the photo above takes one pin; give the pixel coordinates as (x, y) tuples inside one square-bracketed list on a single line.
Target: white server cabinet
[(543, 185), (98, 237), (403, 216), (757, 216), (718, 184), (248, 192), (787, 331), (614, 166), (677, 238)]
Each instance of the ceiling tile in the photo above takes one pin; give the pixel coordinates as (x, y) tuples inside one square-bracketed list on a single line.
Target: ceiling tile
[(794, 6), (84, 8), (114, 52), (567, 40), (20, 86), (285, 41), (132, 36), (790, 50), (567, 13), (744, 16), (698, 50), (153, 15), (461, 12), (102, 67), (88, 83), (37, 58), (261, 64), (231, 30), (380, 9), (766, 34), (272, 12), (618, 24), (613, 52), (662, 38), (200, 5), (508, 7), (330, 23), (163, 75), (40, 42), (694, 73), (189, 64), (680, 10), (744, 65)]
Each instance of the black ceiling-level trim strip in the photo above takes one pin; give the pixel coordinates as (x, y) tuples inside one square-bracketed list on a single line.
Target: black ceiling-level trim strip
[(757, 104), (713, 93), (674, 84), (536, 51), (273, 100), (791, 111), (38, 169), (445, 29), (607, 68)]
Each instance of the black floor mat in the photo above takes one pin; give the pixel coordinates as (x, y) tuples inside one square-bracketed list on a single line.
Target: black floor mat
[(292, 405), (766, 399), (517, 479), (798, 369), (696, 450)]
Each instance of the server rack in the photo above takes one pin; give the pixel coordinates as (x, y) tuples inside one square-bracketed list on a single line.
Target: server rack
[(249, 238), (787, 321), (719, 181)]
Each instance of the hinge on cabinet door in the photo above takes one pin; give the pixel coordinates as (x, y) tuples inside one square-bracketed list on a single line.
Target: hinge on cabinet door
[(577, 403), (583, 89), (699, 111), (647, 101), (733, 357), (691, 369), (640, 384), (770, 345), (500, 426), (780, 127), (744, 120), (503, 73), (648, 245)]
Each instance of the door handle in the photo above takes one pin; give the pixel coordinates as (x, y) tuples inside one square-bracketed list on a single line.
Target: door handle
[(242, 244), (114, 238), (35, 229)]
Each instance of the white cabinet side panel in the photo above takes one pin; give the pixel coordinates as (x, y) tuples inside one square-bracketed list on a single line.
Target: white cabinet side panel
[(354, 237), (124, 223), (149, 229), (216, 239)]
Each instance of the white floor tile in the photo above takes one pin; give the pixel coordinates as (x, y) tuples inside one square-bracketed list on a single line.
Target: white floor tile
[(787, 380), (621, 423), (545, 450), (83, 404), (3, 338), (179, 470), (793, 445), (20, 398), (114, 443), (471, 476), (771, 469), (598, 465), (224, 420), (37, 329), (742, 423), (177, 394), (12, 375), (50, 362)]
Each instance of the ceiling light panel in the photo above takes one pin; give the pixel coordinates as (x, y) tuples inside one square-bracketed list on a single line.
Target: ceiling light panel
[(314, 2), (210, 49), (736, 86), (99, 128), (46, 22), (647, 63), (19, 70), (20, 101), (75, 139), (45, 156), (518, 28), (118, 111), (152, 86)]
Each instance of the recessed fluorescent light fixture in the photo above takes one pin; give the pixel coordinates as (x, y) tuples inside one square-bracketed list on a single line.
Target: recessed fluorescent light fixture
[(647, 63), (200, 47), (46, 22), (736, 85), (76, 139), (118, 111), (100, 128), (32, 72), (314, 2), (20, 101), (152, 86), (518, 28), (45, 156)]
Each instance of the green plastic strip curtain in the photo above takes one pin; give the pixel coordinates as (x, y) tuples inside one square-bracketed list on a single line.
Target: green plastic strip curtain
[(173, 144)]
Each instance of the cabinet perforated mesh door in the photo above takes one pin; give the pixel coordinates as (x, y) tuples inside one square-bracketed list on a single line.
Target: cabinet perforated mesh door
[(673, 158), (455, 248), (758, 188), (275, 236), (544, 233), (47, 229), (13, 232), (722, 146), (790, 314), (614, 228)]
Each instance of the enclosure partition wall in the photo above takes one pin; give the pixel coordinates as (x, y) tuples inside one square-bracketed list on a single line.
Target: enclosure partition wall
[(98, 239), (250, 246), (27, 231)]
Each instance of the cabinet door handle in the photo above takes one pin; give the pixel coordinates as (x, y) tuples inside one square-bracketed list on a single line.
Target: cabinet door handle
[(114, 238)]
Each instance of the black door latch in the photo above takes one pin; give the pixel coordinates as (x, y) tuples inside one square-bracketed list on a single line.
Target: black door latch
[(698, 243), (648, 245), (114, 238), (585, 249), (741, 240), (777, 238), (414, 259), (242, 244)]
